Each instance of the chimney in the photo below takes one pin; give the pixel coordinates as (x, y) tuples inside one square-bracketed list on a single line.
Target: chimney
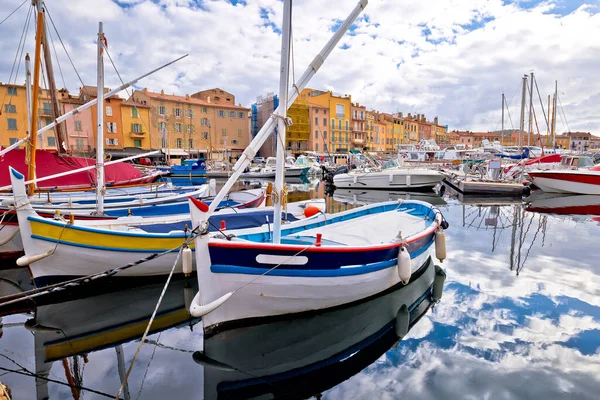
[(400, 115), (145, 90), (409, 116), (162, 92), (208, 99), (187, 96), (435, 120)]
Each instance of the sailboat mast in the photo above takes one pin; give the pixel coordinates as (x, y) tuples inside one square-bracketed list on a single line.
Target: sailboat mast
[(100, 127), (529, 133), (502, 120), (28, 93), (548, 130), (284, 76), (522, 124), (554, 115), (34, 100), (60, 138)]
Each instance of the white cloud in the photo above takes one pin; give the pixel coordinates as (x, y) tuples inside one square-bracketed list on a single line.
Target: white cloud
[(451, 59)]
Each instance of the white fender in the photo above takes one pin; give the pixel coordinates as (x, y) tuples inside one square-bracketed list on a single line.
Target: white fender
[(28, 260), (408, 180), (355, 179), (440, 244), (438, 283), (391, 178), (404, 265), (186, 257), (212, 187), (198, 310), (402, 321)]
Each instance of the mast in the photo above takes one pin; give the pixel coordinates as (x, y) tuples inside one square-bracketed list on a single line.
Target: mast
[(530, 111), (28, 93), (34, 100), (284, 76), (554, 115), (548, 139), (100, 127), (60, 137), (502, 120), (522, 124)]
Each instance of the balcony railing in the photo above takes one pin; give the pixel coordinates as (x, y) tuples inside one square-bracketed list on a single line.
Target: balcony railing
[(358, 141), (45, 111), (137, 134)]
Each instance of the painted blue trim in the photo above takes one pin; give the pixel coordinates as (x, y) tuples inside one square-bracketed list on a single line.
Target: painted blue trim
[(16, 174), (315, 273)]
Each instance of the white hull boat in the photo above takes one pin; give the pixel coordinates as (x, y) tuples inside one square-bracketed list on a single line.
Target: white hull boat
[(569, 181), (392, 178)]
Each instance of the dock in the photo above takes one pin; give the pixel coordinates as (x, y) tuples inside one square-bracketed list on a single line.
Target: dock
[(475, 185)]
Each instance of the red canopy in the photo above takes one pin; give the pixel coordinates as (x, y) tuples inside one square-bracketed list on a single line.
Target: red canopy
[(49, 163)]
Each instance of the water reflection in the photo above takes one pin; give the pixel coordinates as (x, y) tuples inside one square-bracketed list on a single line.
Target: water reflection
[(520, 318)]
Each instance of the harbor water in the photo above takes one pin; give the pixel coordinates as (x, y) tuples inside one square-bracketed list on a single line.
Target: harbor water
[(518, 318)]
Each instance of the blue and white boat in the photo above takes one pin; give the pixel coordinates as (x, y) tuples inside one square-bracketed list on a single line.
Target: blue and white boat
[(190, 172)]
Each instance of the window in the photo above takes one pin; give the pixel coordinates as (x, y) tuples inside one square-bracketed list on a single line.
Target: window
[(204, 110), (317, 147), (205, 122), (231, 114), (10, 108), (240, 115), (12, 124), (346, 136), (339, 124), (178, 128), (78, 125), (355, 114), (162, 126), (234, 141), (324, 112), (317, 135), (137, 143), (317, 121), (12, 91), (51, 141), (324, 121), (362, 115), (333, 136), (205, 135), (108, 110), (239, 132), (134, 112), (339, 110), (221, 114), (112, 142), (346, 124), (162, 110), (224, 132), (179, 143), (112, 127), (332, 123), (177, 112), (190, 143), (189, 113), (324, 135), (188, 128), (163, 142), (136, 128), (12, 140), (79, 144)]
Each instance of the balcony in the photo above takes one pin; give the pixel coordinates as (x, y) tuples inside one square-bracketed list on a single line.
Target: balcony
[(137, 135), (45, 111), (358, 141)]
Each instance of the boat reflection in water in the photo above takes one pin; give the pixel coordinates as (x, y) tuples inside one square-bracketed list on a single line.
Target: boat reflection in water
[(304, 356), (301, 356), (364, 196), (563, 204)]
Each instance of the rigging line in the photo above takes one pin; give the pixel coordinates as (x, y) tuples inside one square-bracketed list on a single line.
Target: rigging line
[(57, 60), (20, 45), (66, 52), (17, 9), (156, 345), (26, 372), (541, 103), (126, 89), (563, 112)]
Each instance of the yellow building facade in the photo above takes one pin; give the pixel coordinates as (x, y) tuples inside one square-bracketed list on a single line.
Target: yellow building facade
[(13, 117), (339, 107), (135, 118), (298, 133)]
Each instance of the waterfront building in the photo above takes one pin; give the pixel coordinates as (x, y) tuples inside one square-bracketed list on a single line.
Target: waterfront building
[(319, 128), (207, 123), (79, 129), (358, 134), (135, 117), (113, 126)]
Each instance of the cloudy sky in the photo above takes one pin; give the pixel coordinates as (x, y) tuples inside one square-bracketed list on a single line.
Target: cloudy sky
[(451, 58)]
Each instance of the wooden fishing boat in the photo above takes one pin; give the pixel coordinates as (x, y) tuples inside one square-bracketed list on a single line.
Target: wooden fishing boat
[(59, 249), (312, 353)]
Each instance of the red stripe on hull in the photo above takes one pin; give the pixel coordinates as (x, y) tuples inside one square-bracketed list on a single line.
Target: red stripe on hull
[(591, 178), (573, 210)]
